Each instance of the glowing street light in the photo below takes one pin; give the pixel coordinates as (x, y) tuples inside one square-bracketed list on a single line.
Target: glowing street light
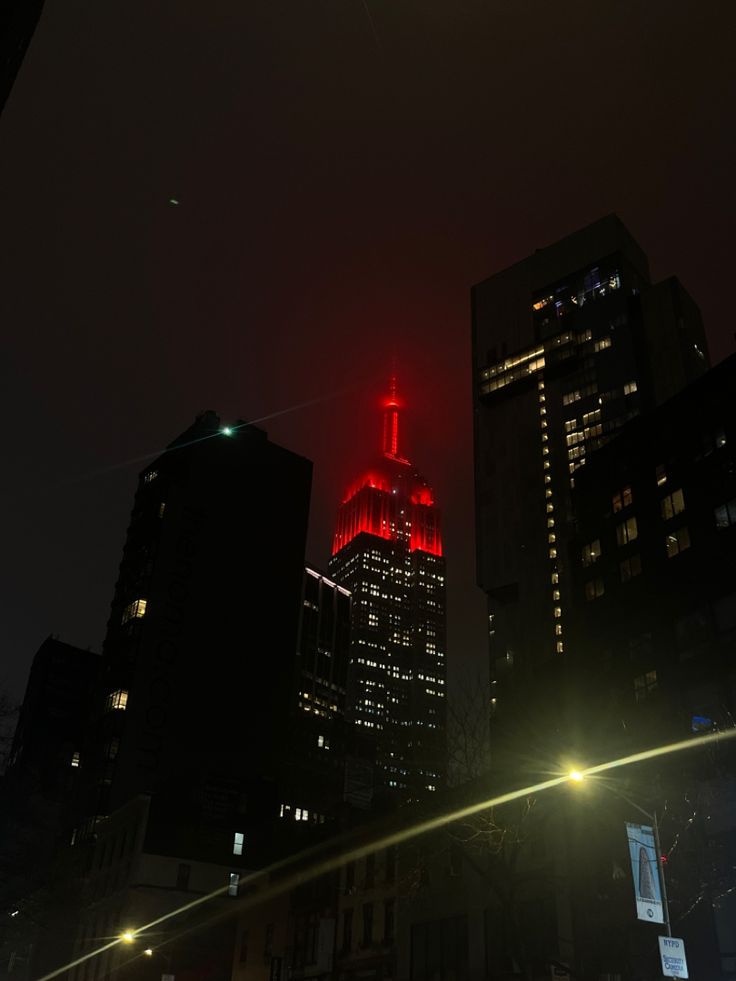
[(148, 952), (576, 776), (127, 937), (227, 430)]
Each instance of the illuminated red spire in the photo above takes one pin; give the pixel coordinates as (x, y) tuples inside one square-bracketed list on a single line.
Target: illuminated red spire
[(391, 407), (390, 500)]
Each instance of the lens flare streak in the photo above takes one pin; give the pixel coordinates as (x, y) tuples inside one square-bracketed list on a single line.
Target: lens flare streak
[(335, 862)]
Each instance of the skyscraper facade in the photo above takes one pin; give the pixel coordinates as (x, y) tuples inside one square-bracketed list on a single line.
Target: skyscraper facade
[(387, 551), (656, 537), (191, 755), (200, 657), (568, 345)]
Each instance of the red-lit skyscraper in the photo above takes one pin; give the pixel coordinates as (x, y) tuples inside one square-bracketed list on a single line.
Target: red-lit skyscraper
[(388, 551)]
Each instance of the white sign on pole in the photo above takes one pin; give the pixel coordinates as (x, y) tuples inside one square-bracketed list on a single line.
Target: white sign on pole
[(672, 954), (645, 872)]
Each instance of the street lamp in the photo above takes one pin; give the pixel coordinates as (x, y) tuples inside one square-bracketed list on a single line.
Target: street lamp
[(127, 936)]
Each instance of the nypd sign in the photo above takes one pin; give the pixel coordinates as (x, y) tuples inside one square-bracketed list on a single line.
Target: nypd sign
[(672, 954)]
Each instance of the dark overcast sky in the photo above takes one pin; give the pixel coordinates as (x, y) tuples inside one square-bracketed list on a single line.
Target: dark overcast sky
[(345, 173)]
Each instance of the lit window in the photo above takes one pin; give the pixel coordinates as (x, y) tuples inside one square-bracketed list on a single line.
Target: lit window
[(673, 504), (555, 594), (594, 589), (553, 553), (323, 743), (630, 567), (677, 541), (621, 500), (151, 475), (134, 610), (627, 531), (661, 475), (629, 388), (558, 629), (118, 700), (550, 521), (591, 553), (551, 538), (557, 611), (161, 509), (238, 839), (645, 685), (232, 889), (560, 647), (725, 514), (75, 759), (555, 578)]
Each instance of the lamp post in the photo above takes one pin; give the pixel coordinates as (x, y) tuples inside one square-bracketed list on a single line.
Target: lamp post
[(658, 848), (578, 776)]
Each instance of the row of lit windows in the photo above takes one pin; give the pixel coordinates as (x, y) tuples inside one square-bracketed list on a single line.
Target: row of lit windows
[(298, 814), (593, 288), (549, 511)]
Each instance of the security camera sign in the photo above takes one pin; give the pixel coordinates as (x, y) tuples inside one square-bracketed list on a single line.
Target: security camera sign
[(672, 954)]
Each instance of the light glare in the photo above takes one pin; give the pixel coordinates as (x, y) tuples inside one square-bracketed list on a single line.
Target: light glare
[(333, 863)]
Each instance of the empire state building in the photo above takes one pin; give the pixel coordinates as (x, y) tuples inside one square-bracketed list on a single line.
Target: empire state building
[(387, 551)]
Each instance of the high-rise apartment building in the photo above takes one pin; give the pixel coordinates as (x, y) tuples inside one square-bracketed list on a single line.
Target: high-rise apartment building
[(656, 540), (653, 637), (191, 752), (199, 660), (568, 345), (387, 551)]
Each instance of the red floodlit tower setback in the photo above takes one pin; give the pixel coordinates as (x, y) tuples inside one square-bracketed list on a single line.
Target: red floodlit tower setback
[(388, 551)]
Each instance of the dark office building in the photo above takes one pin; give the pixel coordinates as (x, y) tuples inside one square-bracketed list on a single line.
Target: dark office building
[(568, 345), (388, 552)]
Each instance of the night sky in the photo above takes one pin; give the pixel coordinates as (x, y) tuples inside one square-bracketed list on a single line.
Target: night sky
[(345, 171)]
